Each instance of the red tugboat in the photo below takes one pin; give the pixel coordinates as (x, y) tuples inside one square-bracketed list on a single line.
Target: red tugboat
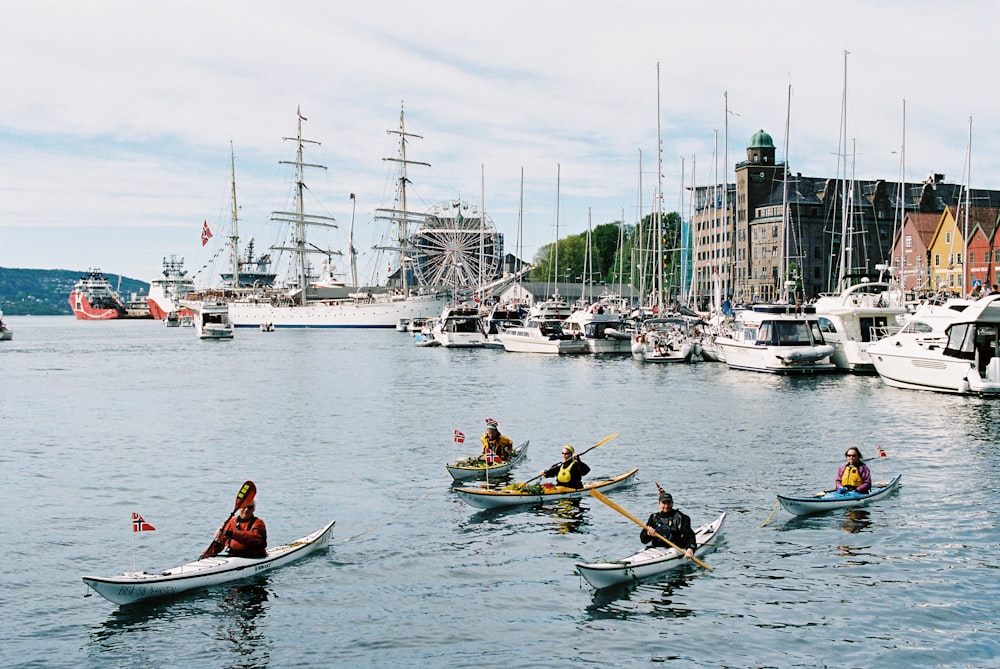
[(92, 298)]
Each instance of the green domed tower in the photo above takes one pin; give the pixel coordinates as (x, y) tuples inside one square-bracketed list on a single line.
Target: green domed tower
[(760, 150)]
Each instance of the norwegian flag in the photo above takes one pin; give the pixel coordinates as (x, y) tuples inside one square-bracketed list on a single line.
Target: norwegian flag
[(459, 437), (139, 524), (206, 233), (659, 489), (881, 453), (492, 458)]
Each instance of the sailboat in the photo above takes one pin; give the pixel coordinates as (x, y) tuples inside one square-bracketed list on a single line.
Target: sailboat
[(296, 307)]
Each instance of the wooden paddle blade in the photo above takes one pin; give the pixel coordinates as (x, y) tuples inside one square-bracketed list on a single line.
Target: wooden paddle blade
[(601, 497)]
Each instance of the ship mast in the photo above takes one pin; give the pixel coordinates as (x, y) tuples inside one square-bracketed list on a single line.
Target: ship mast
[(299, 217), (402, 218)]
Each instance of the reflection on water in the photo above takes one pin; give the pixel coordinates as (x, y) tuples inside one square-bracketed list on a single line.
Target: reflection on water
[(568, 513), (655, 598), (244, 606), (856, 520)]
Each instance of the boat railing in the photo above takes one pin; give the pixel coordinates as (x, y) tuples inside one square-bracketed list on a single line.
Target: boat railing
[(877, 332)]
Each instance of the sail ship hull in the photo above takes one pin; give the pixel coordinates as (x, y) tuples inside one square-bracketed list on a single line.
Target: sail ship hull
[(375, 312)]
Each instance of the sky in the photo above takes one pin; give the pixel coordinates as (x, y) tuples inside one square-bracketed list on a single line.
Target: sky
[(117, 119)]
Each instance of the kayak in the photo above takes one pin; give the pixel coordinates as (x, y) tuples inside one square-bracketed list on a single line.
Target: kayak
[(135, 586), (801, 506), (520, 493), (649, 561), (476, 468)]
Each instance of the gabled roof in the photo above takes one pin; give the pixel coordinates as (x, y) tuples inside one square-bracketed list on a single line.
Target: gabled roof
[(982, 217)]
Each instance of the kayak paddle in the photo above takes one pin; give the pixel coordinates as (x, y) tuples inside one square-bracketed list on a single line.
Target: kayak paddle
[(638, 522), (244, 497), (600, 443)]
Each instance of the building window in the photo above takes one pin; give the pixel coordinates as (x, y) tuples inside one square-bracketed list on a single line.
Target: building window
[(908, 241), (937, 259), (958, 259), (947, 238)]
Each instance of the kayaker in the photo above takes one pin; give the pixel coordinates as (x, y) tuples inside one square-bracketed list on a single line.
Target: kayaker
[(854, 474), (500, 445), (245, 535), (570, 471), (669, 523)]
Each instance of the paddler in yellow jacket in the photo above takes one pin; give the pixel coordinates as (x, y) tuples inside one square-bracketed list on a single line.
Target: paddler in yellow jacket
[(854, 474), (570, 471), (496, 443)]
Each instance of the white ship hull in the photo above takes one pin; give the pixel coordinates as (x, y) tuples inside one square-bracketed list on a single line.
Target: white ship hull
[(360, 313)]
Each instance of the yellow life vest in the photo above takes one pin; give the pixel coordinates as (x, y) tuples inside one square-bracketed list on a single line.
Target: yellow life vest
[(851, 478), (564, 476)]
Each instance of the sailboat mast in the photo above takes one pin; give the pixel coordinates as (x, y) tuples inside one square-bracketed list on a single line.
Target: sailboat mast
[(658, 205), (729, 278), (844, 201), (785, 228), (556, 270), (901, 207), (966, 265), (234, 237)]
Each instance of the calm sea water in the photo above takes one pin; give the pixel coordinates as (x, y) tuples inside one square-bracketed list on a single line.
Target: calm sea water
[(102, 419)]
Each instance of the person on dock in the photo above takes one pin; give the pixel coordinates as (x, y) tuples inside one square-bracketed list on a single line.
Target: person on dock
[(854, 474), (671, 524), (245, 535), (493, 442), (570, 471)]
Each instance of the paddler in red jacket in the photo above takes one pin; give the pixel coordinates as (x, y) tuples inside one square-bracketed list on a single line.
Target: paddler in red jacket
[(245, 535)]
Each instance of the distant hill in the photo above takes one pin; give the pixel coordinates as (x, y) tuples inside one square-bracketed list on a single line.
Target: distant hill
[(45, 292)]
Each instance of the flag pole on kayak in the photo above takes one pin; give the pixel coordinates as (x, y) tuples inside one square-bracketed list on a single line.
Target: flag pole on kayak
[(243, 498), (602, 498), (579, 455)]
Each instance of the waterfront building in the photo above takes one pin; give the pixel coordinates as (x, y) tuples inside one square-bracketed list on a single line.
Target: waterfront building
[(827, 233)]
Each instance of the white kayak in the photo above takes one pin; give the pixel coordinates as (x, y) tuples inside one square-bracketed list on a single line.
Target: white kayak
[(135, 586), (519, 493), (476, 468), (801, 506), (649, 561)]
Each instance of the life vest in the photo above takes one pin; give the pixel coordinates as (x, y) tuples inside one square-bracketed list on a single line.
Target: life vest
[(662, 526), (851, 477), (565, 474)]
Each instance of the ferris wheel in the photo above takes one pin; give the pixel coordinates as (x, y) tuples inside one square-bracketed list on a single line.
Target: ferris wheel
[(457, 246)]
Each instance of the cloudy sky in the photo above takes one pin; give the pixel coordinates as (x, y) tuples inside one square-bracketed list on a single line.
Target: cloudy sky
[(116, 118)]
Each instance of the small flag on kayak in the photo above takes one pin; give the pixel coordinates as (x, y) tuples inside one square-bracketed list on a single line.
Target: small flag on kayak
[(881, 453), (459, 437), (139, 524), (206, 233), (659, 489), (492, 458)]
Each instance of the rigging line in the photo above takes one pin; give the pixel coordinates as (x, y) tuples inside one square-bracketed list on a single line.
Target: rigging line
[(397, 514)]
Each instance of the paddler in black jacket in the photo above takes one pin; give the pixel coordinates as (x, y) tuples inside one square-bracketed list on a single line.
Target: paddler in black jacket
[(570, 471), (670, 524)]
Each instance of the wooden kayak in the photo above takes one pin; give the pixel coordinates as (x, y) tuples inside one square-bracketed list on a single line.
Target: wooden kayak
[(476, 468), (649, 561), (135, 586), (801, 506), (519, 493)]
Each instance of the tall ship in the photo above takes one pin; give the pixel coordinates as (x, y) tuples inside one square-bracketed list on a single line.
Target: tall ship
[(328, 304), (166, 291), (93, 299)]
